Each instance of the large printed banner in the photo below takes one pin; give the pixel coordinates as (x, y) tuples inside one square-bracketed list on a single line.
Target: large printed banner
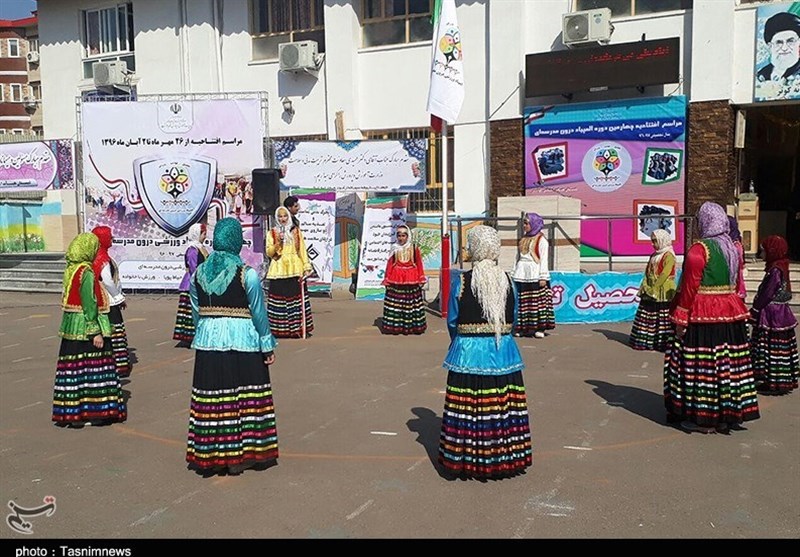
[(597, 298), (152, 169), (317, 221), (37, 165), (618, 158), (382, 216), (344, 166), (777, 67)]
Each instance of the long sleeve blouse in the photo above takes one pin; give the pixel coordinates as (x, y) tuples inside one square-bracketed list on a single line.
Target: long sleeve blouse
[(288, 259), (532, 264)]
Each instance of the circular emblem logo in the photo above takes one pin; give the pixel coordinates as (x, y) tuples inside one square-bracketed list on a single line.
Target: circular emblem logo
[(606, 166), (175, 181)]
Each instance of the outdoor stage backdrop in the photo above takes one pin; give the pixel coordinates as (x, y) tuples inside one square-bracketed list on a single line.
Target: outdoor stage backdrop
[(618, 157), (152, 169)]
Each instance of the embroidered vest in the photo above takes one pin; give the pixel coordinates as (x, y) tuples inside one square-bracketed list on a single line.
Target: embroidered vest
[(470, 317), (231, 303)]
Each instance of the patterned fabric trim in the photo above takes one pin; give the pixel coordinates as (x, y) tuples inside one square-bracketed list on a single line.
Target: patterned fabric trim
[(721, 289), (215, 311), (482, 329)]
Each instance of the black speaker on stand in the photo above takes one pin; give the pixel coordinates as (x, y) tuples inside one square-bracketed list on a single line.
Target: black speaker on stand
[(266, 190)]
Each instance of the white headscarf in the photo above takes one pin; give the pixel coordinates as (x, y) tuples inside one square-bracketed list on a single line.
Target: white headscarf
[(286, 229), (397, 246), (489, 282), (193, 236)]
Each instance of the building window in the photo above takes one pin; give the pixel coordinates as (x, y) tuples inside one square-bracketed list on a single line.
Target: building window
[(13, 48), (36, 92), (16, 92), (33, 44), (622, 8), (109, 30), (396, 21), (2, 93), (282, 21), (17, 131), (429, 201)]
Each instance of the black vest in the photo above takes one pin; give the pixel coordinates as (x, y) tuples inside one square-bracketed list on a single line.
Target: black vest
[(470, 318), (200, 258), (231, 303)]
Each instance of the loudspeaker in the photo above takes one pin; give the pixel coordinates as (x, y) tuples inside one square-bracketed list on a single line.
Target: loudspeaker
[(266, 190)]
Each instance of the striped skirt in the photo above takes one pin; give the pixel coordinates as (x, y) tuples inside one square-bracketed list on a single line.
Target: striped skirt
[(652, 329), (485, 428), (403, 310), (184, 325), (535, 310), (119, 342), (232, 418), (775, 360), (708, 376), (87, 387), (285, 308)]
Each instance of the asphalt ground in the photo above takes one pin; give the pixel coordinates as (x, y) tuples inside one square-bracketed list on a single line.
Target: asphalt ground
[(358, 417)]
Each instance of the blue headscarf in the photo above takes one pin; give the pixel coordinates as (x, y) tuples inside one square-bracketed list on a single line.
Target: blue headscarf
[(216, 273)]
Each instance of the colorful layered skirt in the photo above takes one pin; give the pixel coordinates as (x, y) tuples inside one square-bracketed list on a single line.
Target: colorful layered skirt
[(775, 360), (119, 341), (652, 328), (288, 308), (535, 309), (403, 310), (184, 325)]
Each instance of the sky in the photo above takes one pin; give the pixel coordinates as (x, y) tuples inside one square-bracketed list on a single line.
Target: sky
[(16, 9)]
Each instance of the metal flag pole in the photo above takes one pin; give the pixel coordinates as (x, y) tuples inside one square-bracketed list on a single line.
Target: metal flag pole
[(444, 276)]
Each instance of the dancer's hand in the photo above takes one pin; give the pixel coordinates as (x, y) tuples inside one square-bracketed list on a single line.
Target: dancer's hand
[(543, 283), (97, 341), (680, 330), (269, 359)]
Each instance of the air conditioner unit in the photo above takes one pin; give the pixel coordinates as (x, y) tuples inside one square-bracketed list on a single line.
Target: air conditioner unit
[(33, 57), (110, 74), (298, 56), (586, 27)]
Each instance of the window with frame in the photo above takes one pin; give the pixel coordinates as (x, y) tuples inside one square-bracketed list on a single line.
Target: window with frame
[(429, 201), (386, 22), (13, 48), (36, 92), (623, 8), (274, 22), (2, 131), (16, 92), (108, 36), (33, 44)]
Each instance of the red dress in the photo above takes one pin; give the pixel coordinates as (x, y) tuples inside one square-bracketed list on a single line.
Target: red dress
[(405, 267)]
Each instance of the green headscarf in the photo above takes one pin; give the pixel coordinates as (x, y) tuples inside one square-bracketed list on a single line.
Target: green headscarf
[(80, 253), (216, 273)]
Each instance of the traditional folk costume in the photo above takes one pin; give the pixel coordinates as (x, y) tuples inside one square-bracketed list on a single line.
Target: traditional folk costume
[(652, 328), (736, 237), (87, 387), (232, 418), (485, 426), (288, 304), (195, 254), (404, 302), (107, 272), (773, 341), (535, 311), (708, 373)]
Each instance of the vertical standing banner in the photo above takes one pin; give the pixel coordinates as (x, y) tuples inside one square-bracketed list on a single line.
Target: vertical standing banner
[(317, 221), (382, 216), (152, 169), (446, 92)]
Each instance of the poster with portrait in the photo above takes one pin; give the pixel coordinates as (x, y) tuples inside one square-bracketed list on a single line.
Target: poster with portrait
[(777, 52), (661, 166), (654, 214), (550, 161)]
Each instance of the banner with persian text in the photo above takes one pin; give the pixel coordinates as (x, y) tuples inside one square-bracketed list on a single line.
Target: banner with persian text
[(317, 221), (152, 169), (37, 165), (382, 216)]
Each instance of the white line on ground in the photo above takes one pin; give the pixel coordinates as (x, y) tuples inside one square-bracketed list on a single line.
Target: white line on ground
[(149, 517), (187, 360), (644, 364), (22, 359), (415, 465), (401, 385), (359, 510), (36, 327), (21, 380), (551, 360), (383, 433), (151, 330), (577, 448), (163, 343), (604, 423), (11, 345), (29, 405), (639, 376), (48, 338)]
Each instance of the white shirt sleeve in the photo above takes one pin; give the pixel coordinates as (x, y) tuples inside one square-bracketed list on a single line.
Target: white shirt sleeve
[(115, 294), (544, 257)]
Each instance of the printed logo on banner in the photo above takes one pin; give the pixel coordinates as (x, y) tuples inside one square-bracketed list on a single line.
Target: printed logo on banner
[(175, 191), (606, 166), (175, 117)]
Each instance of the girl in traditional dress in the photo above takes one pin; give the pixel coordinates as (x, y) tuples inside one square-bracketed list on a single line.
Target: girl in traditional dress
[(107, 271), (195, 254), (532, 278), (652, 329), (485, 426), (288, 305), (708, 374), (404, 303), (773, 341), (232, 417), (87, 387)]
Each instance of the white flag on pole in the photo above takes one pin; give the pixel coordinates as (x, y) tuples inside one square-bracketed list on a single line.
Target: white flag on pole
[(446, 93)]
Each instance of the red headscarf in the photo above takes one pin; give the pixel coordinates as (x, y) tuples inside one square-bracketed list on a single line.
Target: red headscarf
[(776, 254), (102, 258)]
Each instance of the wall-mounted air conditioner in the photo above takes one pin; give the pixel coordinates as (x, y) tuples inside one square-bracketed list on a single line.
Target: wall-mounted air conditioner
[(33, 57), (298, 56), (110, 74), (587, 27)]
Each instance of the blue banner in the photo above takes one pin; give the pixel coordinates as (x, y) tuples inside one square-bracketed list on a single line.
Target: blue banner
[(596, 298)]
